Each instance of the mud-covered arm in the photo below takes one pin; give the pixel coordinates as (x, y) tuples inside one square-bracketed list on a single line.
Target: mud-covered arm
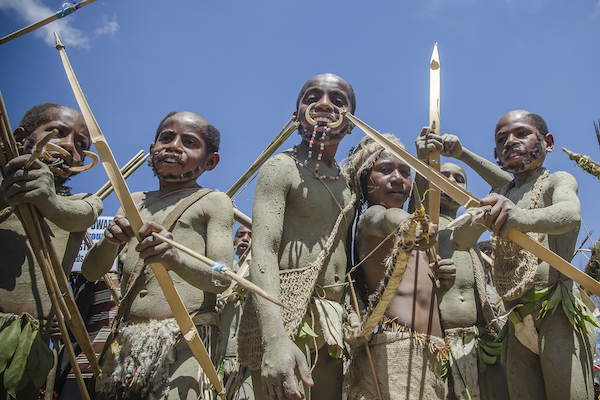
[(35, 186), (563, 215), (489, 171), (380, 221), (281, 357), (466, 232), (99, 259), (450, 146), (218, 215)]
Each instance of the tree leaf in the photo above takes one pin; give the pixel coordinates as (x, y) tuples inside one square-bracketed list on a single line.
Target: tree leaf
[(15, 376), (9, 337)]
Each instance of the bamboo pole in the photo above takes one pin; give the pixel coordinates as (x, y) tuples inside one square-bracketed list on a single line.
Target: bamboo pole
[(186, 325), (433, 158), (59, 14), (367, 347), (274, 145), (222, 269), (466, 199), (103, 193), (33, 228), (125, 168)]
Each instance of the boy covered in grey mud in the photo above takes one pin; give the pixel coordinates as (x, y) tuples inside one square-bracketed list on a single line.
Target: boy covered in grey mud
[(302, 213), (407, 347), (550, 344), (22, 289), (236, 378), (468, 308), (148, 357)]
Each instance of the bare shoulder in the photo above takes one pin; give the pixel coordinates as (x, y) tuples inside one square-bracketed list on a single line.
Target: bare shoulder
[(278, 168), (138, 197), (562, 179), (215, 205)]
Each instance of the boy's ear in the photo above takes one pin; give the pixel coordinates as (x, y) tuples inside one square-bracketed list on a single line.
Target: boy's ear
[(211, 161), (20, 135), (549, 139)]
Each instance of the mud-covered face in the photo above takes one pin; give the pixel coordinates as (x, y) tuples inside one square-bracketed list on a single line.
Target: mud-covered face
[(330, 95), (73, 136), (180, 152), (519, 145), (457, 175), (388, 182), (241, 242)]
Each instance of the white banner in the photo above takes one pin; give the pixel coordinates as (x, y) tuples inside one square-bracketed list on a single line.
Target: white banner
[(96, 231)]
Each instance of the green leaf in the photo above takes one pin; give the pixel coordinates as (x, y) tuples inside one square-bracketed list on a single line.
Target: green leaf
[(15, 376), (305, 329), (40, 361), (9, 337)]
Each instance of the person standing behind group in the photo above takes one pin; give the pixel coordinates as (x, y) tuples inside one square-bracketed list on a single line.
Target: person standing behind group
[(468, 318), (302, 213), (236, 378)]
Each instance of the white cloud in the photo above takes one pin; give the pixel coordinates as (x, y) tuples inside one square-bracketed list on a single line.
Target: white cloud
[(33, 10), (109, 28)]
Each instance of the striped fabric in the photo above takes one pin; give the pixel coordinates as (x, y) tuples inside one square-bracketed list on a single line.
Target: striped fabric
[(101, 314)]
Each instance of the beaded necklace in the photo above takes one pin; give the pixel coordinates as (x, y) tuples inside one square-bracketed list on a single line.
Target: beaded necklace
[(310, 146)]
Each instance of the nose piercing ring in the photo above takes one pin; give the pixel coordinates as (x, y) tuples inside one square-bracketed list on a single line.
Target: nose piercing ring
[(330, 125)]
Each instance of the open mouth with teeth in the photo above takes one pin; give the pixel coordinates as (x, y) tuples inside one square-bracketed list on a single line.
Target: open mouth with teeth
[(170, 160), (58, 162)]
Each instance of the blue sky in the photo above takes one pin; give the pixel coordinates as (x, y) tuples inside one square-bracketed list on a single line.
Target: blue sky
[(241, 64)]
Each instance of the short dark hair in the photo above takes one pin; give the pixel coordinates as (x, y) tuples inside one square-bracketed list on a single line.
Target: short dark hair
[(39, 115), (538, 122), (210, 134), (485, 246), (351, 96)]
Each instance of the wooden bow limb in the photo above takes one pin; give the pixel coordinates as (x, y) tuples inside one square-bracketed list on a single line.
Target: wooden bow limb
[(466, 199), (60, 14), (242, 218), (186, 325), (433, 158), (126, 171), (103, 193), (39, 148), (33, 227), (244, 265), (367, 348), (222, 269), (274, 145)]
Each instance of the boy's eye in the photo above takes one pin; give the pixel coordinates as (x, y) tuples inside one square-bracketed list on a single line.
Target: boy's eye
[(339, 103)]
